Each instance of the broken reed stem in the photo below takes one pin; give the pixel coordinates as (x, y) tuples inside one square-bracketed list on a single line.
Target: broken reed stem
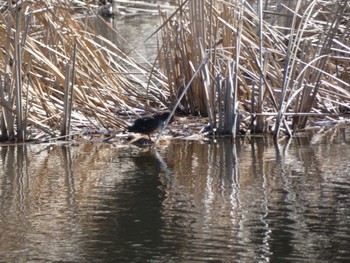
[(260, 121), (64, 125), (235, 124), (68, 95), (4, 133), (26, 110), (72, 89), (228, 99), (219, 89), (18, 77)]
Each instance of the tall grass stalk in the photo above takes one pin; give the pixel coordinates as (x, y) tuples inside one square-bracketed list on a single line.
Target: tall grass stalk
[(236, 116), (18, 76), (71, 92), (68, 95), (260, 121), (66, 108)]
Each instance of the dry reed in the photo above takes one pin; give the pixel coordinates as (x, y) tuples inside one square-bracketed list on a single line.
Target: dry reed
[(291, 62), (38, 78), (266, 69)]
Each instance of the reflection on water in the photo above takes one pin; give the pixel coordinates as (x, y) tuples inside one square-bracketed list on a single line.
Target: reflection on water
[(252, 201)]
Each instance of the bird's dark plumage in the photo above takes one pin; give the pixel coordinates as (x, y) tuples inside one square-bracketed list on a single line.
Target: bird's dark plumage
[(149, 124)]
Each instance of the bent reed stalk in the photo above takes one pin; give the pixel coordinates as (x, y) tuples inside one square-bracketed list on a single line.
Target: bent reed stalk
[(296, 52)]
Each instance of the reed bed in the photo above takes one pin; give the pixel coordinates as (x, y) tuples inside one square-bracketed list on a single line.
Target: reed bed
[(58, 77), (268, 65)]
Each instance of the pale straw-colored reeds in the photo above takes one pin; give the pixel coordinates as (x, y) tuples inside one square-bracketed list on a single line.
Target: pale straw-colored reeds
[(59, 77), (269, 65)]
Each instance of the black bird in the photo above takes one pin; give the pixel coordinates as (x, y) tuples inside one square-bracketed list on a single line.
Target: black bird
[(149, 124)]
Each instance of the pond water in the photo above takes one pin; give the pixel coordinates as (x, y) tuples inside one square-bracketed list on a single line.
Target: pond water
[(131, 36), (218, 201)]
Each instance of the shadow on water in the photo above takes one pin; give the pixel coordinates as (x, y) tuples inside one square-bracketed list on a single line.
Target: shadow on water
[(252, 201)]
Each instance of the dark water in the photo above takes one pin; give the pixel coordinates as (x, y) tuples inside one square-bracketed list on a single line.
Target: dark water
[(253, 201)]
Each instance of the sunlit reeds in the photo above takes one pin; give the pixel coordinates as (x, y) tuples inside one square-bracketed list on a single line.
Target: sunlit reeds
[(256, 66), (267, 69), (58, 76)]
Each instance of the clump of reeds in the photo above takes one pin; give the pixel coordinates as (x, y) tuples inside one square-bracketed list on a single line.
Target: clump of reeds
[(58, 74), (258, 68)]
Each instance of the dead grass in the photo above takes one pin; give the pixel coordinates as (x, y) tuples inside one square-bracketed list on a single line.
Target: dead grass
[(47, 88), (282, 59), (261, 68)]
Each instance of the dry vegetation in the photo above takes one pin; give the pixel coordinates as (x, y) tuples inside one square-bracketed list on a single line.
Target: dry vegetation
[(59, 77), (259, 65), (254, 66)]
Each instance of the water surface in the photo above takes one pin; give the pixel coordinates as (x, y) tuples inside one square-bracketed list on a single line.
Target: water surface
[(252, 201)]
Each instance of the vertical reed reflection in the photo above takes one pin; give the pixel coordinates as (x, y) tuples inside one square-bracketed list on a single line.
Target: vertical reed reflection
[(40, 201), (250, 201), (68, 167), (216, 195), (14, 196), (263, 197)]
